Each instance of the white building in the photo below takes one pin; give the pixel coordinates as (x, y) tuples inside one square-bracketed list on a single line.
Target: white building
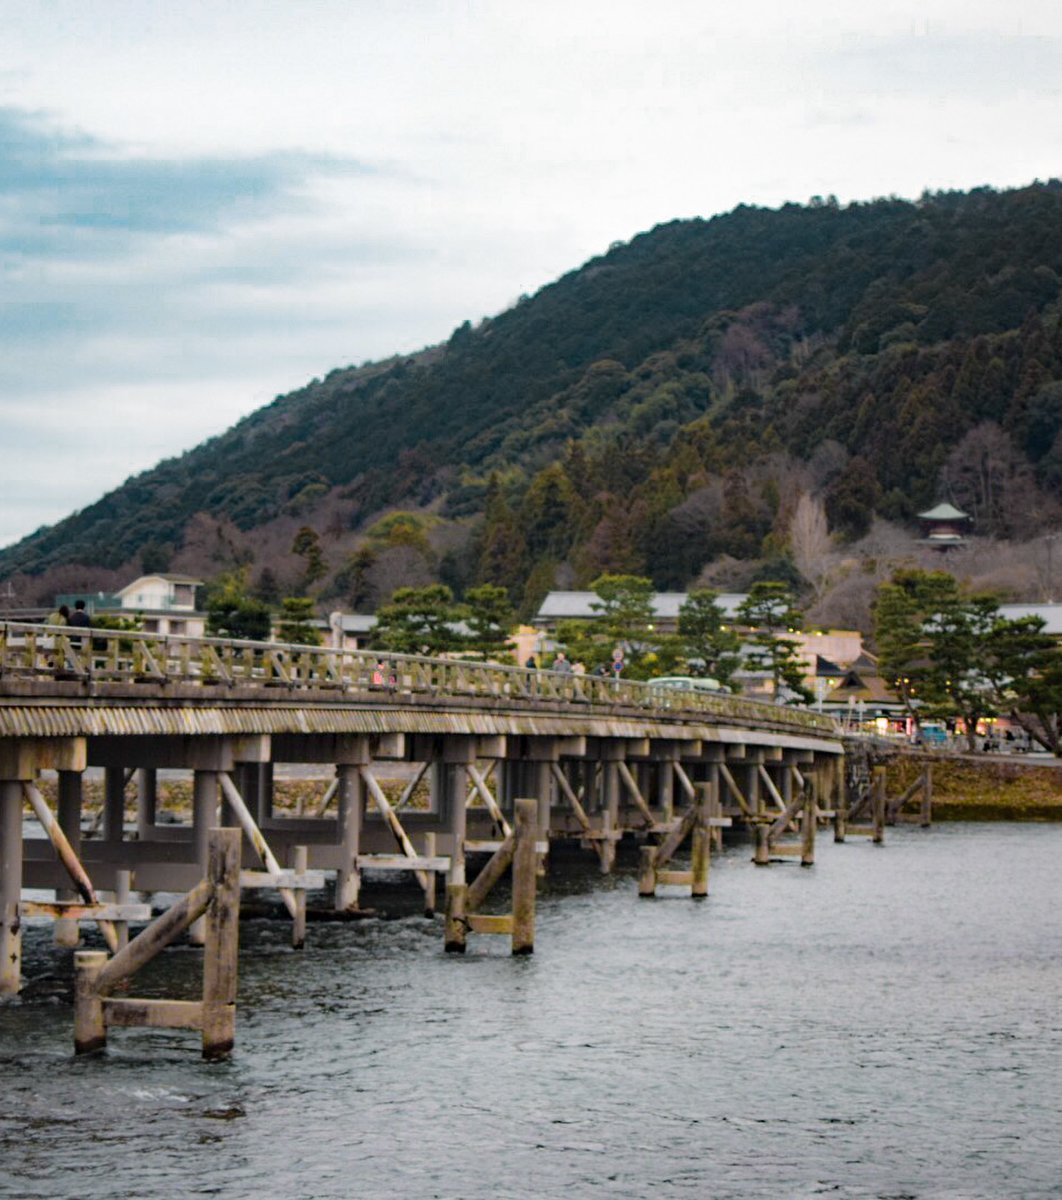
[(166, 604)]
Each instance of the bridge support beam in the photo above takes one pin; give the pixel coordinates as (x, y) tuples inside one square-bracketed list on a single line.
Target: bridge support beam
[(10, 886), (147, 796), (458, 754), (612, 753), (67, 933)]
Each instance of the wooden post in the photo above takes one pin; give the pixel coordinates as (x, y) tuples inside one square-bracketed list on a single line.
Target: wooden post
[(715, 806), (68, 932), (647, 872), (762, 854), (610, 811), (544, 797), (524, 872), (221, 944), (351, 788), (878, 802), (300, 861), (926, 811), (147, 794), (204, 816), (264, 793), (840, 805), (113, 804), (430, 890), (665, 774), (122, 886), (10, 887), (90, 1033), (808, 822), (700, 847), (456, 928)]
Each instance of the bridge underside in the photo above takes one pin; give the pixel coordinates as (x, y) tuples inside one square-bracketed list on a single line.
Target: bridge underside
[(597, 773)]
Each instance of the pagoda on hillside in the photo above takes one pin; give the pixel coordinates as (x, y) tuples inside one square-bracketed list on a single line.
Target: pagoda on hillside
[(944, 527)]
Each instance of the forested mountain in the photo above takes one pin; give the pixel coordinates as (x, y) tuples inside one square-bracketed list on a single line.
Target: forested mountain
[(666, 404)]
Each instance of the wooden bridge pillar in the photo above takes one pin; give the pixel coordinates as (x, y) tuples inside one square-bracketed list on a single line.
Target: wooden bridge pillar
[(612, 753), (66, 931), (351, 754), (350, 790), (458, 753), (204, 818), (114, 781), (147, 795), (10, 886), (665, 789)]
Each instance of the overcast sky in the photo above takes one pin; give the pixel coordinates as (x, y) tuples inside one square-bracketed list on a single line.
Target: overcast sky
[(203, 205)]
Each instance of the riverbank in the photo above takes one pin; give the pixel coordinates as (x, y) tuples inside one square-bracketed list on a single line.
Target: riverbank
[(969, 787)]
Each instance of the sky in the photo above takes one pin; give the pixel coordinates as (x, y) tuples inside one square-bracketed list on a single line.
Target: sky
[(204, 205)]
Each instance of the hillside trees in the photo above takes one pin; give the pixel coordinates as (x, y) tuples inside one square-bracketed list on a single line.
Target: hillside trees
[(632, 407)]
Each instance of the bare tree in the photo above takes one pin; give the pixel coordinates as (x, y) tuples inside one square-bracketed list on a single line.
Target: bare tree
[(809, 541)]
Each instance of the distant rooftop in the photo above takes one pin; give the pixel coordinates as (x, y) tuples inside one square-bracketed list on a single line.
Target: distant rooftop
[(944, 512), (564, 606), (1050, 614)]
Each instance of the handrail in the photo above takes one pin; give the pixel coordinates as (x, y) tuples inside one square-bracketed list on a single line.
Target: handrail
[(32, 651)]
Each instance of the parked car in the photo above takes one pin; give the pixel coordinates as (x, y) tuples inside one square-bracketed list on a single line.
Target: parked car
[(691, 683)]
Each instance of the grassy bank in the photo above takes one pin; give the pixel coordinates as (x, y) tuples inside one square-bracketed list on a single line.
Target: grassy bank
[(984, 788)]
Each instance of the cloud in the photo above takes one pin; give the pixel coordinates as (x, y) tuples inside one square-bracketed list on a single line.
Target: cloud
[(54, 180)]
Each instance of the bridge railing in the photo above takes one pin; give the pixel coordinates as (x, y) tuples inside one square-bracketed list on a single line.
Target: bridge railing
[(29, 651)]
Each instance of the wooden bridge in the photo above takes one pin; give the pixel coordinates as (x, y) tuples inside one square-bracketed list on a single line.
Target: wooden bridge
[(603, 760)]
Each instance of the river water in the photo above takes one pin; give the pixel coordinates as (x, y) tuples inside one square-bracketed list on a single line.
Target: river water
[(885, 1024)]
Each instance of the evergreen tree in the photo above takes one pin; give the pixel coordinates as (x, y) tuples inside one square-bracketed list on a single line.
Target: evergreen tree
[(307, 545), (769, 612), (419, 621), (489, 617), (233, 613), (901, 608), (710, 645), (626, 621), (295, 624)]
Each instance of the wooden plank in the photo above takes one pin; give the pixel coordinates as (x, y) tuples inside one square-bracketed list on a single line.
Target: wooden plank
[(68, 910), (491, 847), (286, 877), (128, 1013), (496, 867), (481, 923), (682, 878), (786, 849), (399, 862)]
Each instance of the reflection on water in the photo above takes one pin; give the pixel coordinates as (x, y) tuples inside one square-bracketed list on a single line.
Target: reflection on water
[(887, 1024)]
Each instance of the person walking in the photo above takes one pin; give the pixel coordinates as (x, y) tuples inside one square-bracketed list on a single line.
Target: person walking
[(561, 663)]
